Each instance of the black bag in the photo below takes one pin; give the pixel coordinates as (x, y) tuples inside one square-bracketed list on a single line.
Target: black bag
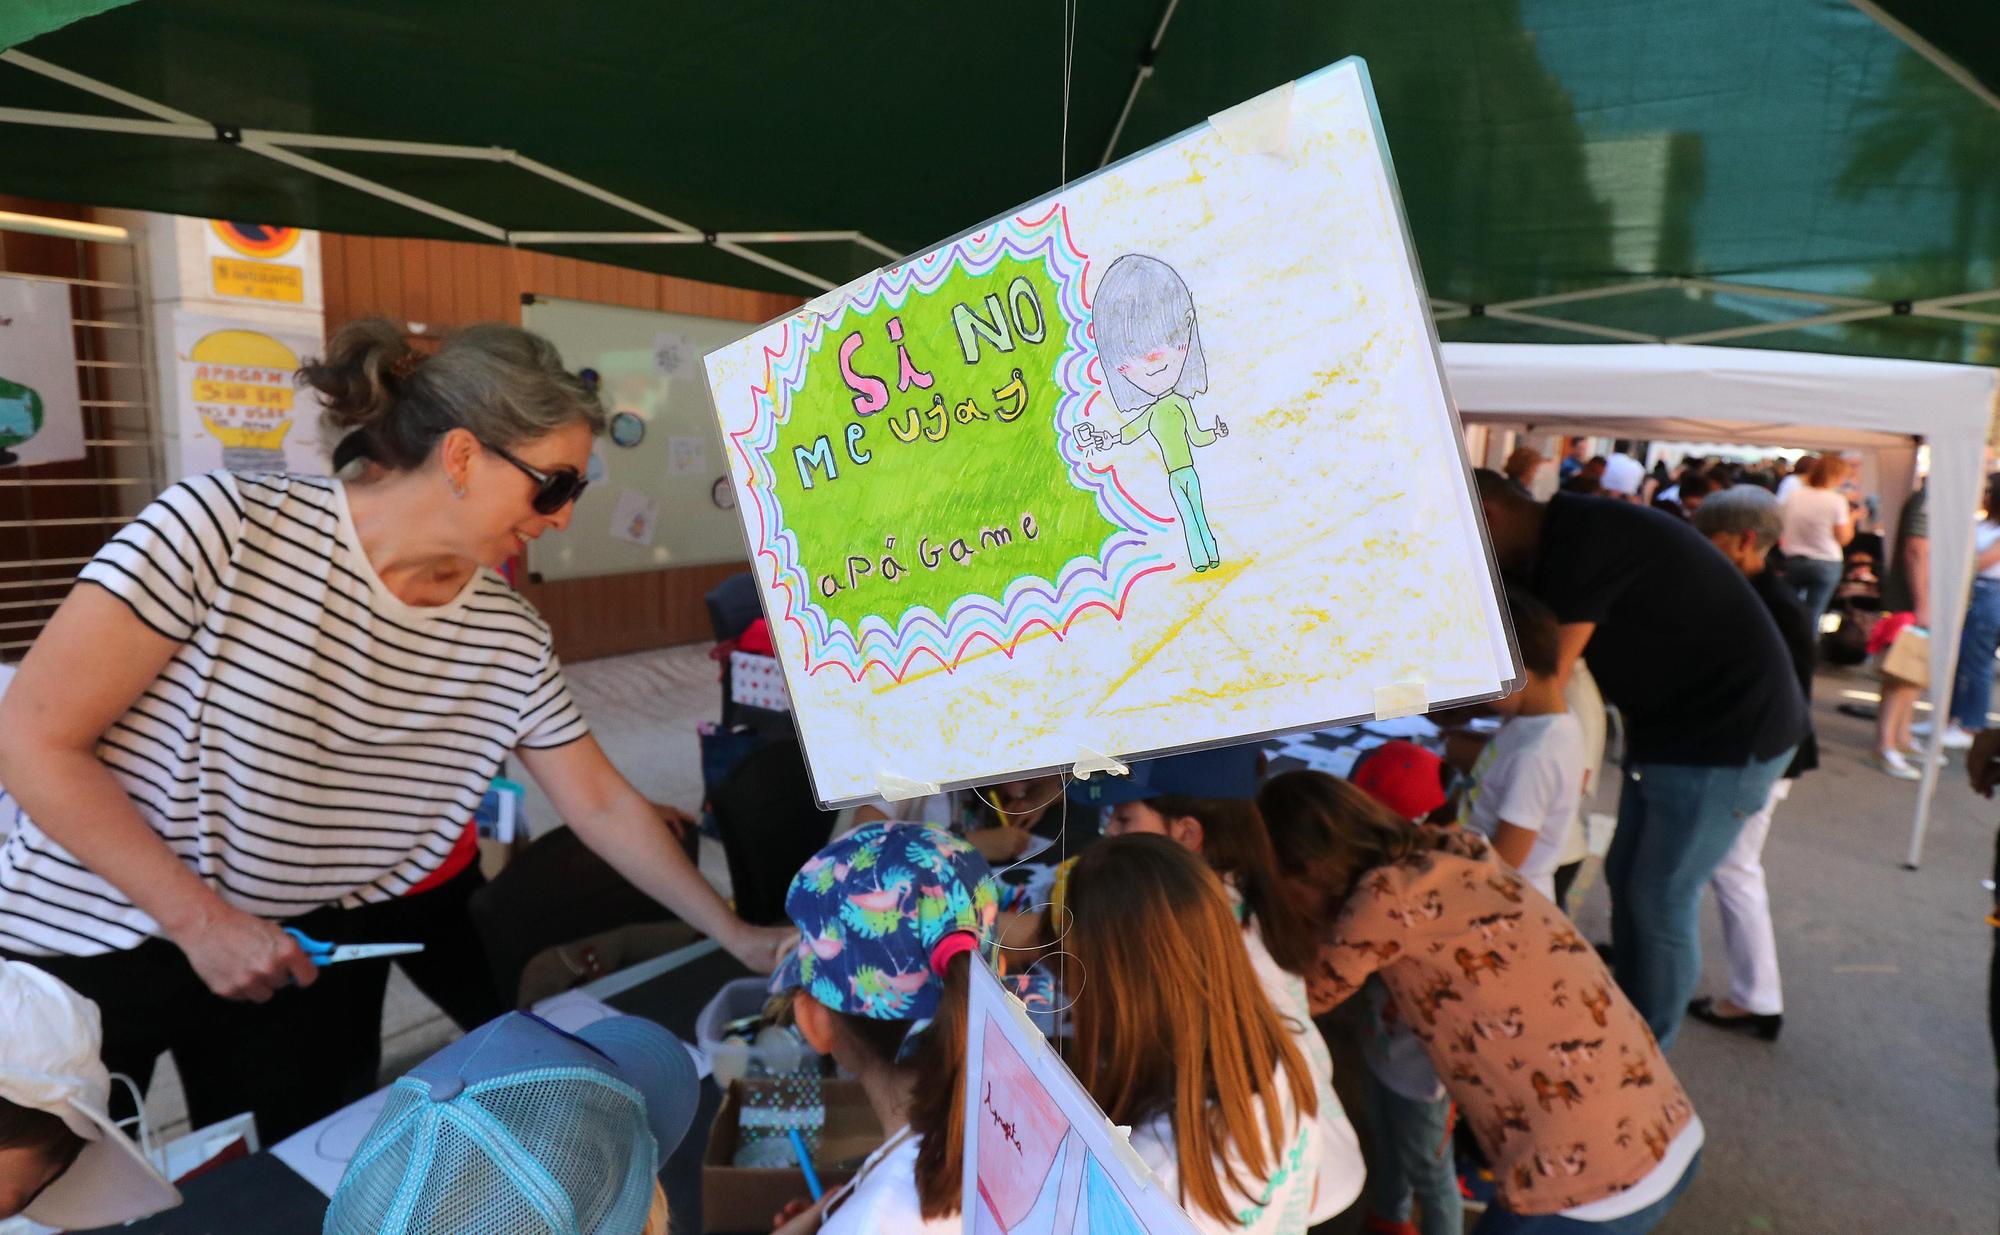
[(1847, 643)]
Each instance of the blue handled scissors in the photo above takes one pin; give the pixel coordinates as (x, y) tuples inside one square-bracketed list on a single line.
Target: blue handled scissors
[(322, 954)]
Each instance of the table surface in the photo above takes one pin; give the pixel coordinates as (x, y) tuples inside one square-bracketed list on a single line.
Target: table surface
[(262, 1194)]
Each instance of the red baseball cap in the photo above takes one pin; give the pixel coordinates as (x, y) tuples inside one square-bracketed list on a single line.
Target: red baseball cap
[(1404, 777)]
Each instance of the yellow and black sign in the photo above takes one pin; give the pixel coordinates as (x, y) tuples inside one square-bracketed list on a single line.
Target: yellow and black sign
[(245, 263)]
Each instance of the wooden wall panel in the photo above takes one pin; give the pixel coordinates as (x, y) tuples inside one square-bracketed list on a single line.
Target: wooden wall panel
[(610, 615), (442, 284)]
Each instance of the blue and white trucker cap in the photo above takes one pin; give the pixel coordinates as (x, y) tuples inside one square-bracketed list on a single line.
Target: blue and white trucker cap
[(523, 1128)]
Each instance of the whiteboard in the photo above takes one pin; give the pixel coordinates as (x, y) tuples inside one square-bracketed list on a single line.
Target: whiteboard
[(1164, 460), (649, 364)]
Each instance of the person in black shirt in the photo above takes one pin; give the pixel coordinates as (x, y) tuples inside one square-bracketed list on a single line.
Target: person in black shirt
[(1745, 523), (1680, 643)]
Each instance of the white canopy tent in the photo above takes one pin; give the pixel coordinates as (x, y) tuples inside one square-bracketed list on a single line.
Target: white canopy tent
[(1886, 408)]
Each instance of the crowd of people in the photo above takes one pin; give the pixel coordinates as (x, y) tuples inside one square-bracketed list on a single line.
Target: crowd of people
[(279, 699)]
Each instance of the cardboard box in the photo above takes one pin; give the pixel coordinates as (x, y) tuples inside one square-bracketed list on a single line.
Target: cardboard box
[(740, 1198)]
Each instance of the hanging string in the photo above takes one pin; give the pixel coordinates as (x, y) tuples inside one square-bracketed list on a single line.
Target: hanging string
[(1068, 62), (1054, 949)]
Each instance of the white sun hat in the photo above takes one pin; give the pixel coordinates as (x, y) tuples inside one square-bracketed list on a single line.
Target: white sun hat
[(49, 1062)]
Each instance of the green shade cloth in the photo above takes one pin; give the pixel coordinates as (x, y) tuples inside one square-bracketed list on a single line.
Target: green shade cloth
[(1542, 146)]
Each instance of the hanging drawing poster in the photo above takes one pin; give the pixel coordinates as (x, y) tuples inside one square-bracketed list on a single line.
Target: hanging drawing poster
[(1162, 460), (41, 420), (237, 406), (1040, 1157)]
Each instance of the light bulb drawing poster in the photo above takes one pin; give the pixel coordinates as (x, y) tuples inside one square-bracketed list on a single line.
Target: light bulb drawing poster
[(238, 405), (1161, 460)]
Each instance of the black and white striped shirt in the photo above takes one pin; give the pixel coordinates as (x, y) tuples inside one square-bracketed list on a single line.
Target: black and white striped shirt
[(314, 740)]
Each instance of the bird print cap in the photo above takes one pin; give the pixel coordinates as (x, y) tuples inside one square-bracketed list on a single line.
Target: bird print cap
[(872, 905)]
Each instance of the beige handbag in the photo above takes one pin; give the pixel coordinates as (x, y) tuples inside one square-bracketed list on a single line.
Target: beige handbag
[(1909, 657)]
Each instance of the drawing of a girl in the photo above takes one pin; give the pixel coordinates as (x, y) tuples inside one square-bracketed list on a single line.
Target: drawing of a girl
[(1144, 321)]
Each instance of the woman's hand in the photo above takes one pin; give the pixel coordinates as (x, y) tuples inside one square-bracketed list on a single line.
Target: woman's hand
[(242, 956), (761, 948)]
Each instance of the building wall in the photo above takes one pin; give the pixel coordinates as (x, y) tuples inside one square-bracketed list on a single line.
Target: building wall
[(54, 516), (430, 286)]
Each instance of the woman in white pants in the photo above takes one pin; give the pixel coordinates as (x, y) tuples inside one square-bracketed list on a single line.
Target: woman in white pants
[(1744, 523)]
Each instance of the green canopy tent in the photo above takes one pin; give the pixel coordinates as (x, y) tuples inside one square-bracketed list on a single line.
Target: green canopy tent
[(1812, 175), (1806, 174)]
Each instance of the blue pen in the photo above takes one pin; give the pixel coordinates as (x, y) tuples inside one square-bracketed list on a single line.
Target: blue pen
[(805, 1163)]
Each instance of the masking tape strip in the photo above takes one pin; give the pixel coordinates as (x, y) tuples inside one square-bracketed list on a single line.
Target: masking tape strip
[(894, 788), (1401, 699), (1090, 762), (824, 304), (1121, 1144), (1262, 125)]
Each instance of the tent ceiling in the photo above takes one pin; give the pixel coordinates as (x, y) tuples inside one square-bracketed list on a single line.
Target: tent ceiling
[(1671, 429), (1545, 147), (1704, 394)]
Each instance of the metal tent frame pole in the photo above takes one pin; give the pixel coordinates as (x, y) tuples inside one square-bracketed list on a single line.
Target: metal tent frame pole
[(1837, 309), (1925, 48), (1139, 77), (283, 147), (159, 120)]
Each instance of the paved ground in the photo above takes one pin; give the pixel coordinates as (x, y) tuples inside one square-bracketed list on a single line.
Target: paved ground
[(1873, 1114)]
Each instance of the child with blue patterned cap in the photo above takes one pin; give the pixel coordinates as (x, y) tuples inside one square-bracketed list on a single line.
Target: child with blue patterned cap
[(891, 918)]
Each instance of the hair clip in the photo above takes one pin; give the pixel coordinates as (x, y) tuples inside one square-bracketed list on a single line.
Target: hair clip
[(402, 366)]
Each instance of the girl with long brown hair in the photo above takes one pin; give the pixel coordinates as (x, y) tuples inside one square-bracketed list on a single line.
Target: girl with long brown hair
[(1551, 1066), (1203, 801), (1175, 1039)]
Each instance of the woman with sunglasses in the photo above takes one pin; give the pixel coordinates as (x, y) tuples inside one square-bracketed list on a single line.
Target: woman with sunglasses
[(276, 700)]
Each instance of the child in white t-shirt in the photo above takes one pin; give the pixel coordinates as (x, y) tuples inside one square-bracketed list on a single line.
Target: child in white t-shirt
[(1529, 780)]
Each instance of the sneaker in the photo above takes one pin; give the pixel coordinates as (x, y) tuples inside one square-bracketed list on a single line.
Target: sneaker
[(1956, 738), (1893, 762)]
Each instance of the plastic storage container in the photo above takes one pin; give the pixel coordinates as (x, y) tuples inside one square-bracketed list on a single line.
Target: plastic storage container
[(774, 1052)]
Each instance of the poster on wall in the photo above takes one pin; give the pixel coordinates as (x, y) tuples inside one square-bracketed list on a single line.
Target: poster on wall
[(238, 408), (41, 420), (1040, 1157), (255, 261), (1162, 460)]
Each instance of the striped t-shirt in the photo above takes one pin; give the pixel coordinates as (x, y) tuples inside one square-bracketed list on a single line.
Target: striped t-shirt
[(314, 740)]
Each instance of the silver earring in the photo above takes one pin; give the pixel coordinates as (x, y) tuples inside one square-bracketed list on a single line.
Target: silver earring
[(457, 489)]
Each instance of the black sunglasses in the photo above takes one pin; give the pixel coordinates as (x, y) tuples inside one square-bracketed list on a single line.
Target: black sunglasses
[(553, 490)]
